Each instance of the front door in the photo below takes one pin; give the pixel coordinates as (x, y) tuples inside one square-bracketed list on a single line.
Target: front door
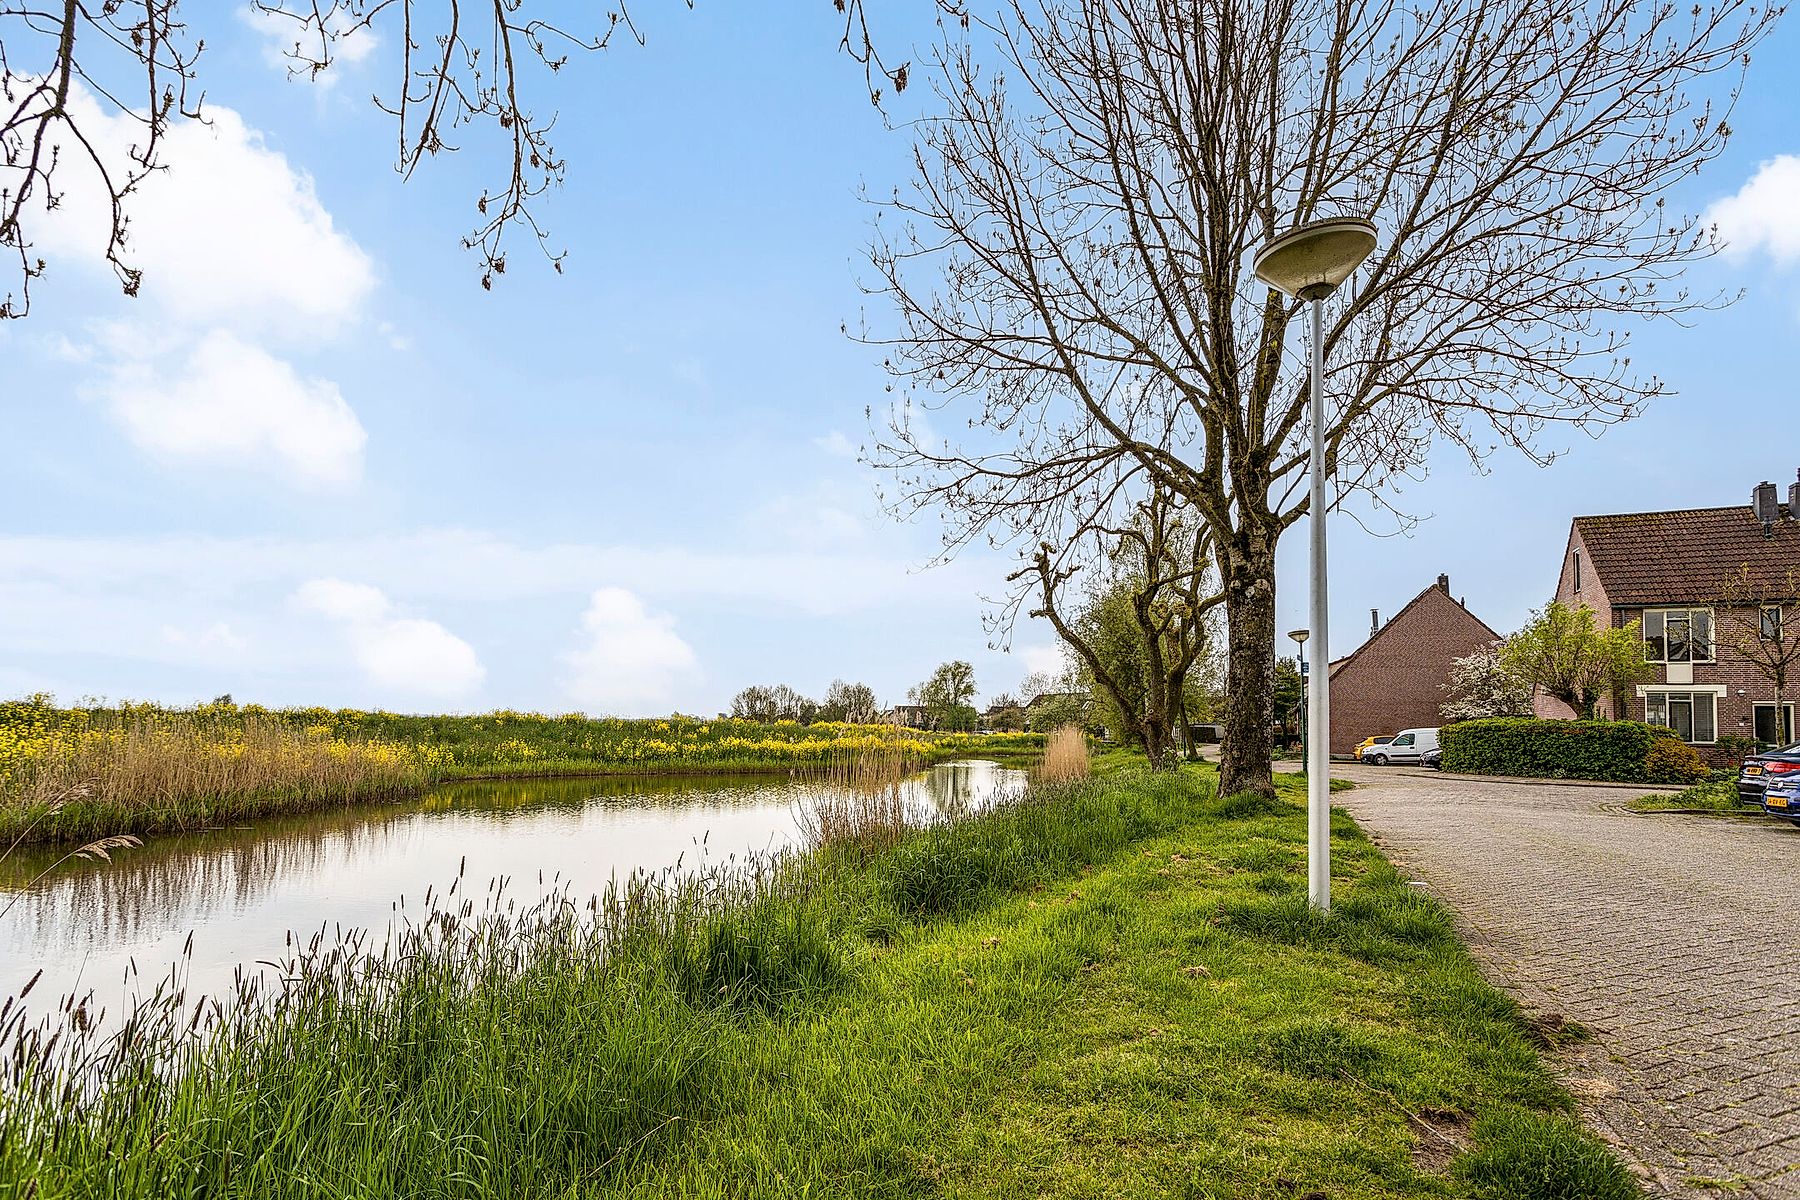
[(1768, 730)]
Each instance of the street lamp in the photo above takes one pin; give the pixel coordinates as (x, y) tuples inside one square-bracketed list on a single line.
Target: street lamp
[(1299, 636), (1309, 263)]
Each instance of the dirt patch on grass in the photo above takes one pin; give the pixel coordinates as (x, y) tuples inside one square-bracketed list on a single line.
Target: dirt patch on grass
[(1439, 1136)]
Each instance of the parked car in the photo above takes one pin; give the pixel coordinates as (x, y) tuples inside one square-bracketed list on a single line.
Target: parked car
[(1433, 758), (1408, 746), (1758, 769), (1781, 797), (1368, 743)]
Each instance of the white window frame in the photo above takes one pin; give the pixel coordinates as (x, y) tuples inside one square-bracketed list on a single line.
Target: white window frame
[(1662, 615), (1713, 692), (1768, 624)]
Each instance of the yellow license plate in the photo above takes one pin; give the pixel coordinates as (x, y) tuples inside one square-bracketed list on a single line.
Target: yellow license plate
[(1777, 801), (1753, 770)]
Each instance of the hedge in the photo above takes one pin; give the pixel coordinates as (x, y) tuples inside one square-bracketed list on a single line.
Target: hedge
[(1622, 751)]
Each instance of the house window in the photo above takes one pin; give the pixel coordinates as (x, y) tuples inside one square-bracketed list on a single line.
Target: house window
[(1767, 730), (1678, 635), (1771, 623), (1578, 570), (1692, 715)]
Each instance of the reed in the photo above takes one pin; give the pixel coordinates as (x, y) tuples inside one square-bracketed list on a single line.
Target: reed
[(1065, 756), (860, 803), (177, 771)]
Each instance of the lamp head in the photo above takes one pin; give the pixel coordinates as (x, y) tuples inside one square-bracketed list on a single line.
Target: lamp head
[(1310, 262), (1300, 635)]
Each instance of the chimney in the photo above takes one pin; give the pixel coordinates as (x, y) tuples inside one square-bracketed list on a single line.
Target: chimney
[(1375, 616), (1794, 500), (1765, 502), (1444, 583)]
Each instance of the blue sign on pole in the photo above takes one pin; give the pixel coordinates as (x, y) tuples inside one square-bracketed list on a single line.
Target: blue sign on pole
[(1303, 666)]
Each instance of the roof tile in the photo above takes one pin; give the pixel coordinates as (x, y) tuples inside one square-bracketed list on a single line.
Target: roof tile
[(1685, 555)]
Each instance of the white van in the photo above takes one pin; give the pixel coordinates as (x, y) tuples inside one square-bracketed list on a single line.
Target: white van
[(1408, 746)]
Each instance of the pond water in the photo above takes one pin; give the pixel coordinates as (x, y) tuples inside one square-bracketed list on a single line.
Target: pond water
[(116, 927)]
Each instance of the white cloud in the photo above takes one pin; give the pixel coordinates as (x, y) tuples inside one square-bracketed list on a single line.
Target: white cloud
[(217, 640), (1045, 660), (352, 42), (239, 256), (1765, 213), (231, 233), (630, 661), (232, 404), (406, 656), (836, 444)]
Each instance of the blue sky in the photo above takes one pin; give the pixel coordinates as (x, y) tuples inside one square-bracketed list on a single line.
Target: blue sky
[(315, 463)]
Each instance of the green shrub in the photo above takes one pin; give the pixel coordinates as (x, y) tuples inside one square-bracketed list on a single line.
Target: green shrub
[(1670, 761), (1610, 750)]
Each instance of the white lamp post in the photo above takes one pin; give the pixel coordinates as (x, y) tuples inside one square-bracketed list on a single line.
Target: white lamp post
[(1309, 263), (1299, 636)]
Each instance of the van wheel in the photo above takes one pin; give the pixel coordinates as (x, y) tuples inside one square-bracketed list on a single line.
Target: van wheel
[(1380, 760)]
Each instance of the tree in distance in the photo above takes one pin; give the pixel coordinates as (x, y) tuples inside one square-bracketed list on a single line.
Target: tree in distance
[(852, 702), (948, 697), (1141, 625), (770, 704)]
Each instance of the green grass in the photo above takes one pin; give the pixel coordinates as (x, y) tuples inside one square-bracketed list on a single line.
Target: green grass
[(1114, 988), (1715, 795)]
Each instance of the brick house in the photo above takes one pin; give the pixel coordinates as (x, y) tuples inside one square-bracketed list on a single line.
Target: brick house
[(1665, 570), (1396, 679)]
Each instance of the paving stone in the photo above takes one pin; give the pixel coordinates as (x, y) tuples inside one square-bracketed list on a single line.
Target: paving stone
[(1663, 935)]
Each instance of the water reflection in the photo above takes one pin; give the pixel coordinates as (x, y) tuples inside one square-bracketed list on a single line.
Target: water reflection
[(240, 890)]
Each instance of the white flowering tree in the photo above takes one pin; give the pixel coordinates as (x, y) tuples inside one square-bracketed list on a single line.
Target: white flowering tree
[(1481, 685)]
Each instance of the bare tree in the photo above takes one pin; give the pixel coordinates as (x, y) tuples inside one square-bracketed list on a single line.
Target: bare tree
[(462, 73), (51, 53), (1758, 612), (1134, 602), (1071, 263)]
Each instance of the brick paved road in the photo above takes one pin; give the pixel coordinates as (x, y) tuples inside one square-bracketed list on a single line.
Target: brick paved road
[(1674, 938)]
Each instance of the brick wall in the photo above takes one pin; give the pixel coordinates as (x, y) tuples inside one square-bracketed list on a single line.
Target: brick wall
[(1396, 680)]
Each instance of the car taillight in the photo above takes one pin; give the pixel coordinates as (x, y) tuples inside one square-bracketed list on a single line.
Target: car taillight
[(1778, 767)]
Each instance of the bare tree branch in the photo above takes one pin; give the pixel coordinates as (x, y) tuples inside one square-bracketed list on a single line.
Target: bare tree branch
[(1070, 263)]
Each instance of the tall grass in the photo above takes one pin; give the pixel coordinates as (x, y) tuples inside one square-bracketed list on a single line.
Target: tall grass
[(483, 1049), (964, 1006), (114, 773), (1065, 756), (860, 801)]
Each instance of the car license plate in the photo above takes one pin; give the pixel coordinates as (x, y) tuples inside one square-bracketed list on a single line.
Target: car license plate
[(1776, 801), (1753, 770)]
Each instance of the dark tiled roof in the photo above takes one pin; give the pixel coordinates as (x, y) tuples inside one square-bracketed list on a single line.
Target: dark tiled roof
[(1653, 557), (1400, 620)]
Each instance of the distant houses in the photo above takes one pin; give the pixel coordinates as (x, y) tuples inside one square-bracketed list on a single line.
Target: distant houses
[(1396, 679)]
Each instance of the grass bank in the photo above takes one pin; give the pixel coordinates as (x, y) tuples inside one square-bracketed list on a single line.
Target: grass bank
[(1111, 987), (72, 774), (1715, 795)]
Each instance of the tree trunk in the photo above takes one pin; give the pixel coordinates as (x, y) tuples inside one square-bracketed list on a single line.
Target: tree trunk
[(1248, 747)]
